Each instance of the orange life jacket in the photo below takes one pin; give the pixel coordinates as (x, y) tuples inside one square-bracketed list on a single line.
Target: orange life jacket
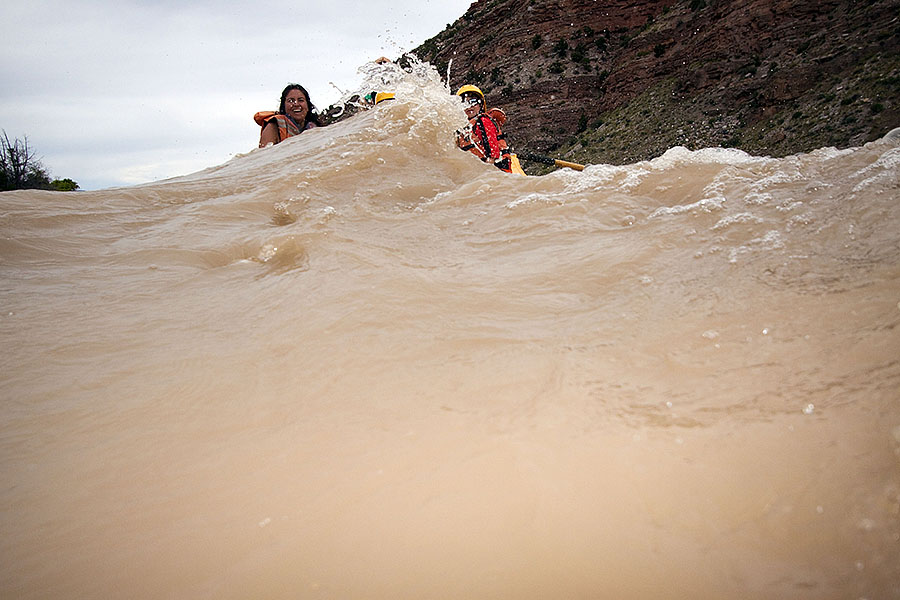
[(287, 127), (498, 115), (484, 138)]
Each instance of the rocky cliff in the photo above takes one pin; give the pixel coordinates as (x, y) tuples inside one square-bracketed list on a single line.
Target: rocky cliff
[(615, 81)]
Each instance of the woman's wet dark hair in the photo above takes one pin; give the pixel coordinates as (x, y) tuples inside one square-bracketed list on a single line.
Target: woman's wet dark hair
[(311, 116)]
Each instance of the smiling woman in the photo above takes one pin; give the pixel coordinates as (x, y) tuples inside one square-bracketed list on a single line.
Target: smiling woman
[(295, 115)]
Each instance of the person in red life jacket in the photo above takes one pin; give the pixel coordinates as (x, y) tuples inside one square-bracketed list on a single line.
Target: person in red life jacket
[(483, 137), (295, 115)]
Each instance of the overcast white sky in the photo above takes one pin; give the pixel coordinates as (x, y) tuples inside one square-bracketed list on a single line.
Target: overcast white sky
[(120, 92)]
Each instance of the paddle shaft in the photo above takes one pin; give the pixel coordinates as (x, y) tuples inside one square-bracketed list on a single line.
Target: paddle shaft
[(551, 161), (571, 165)]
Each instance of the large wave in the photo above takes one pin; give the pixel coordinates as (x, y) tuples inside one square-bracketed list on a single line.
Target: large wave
[(361, 363)]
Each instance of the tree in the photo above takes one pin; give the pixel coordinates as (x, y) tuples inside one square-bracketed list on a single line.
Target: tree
[(21, 169), (64, 185)]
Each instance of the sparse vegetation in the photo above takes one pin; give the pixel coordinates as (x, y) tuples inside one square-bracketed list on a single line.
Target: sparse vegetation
[(486, 40), (20, 168), (561, 48), (582, 123), (579, 55), (64, 185)]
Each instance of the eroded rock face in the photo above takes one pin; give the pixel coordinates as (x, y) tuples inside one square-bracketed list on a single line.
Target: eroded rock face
[(617, 80)]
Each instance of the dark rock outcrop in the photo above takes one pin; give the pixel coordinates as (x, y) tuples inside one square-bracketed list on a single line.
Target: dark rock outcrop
[(617, 81)]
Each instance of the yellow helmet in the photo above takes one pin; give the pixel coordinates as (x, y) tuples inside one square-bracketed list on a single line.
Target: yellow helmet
[(470, 89), (381, 96)]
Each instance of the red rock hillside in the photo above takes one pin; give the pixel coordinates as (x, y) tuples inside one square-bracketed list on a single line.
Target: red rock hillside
[(617, 81)]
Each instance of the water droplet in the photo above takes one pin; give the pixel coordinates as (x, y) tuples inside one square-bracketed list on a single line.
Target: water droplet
[(711, 334), (765, 331), (809, 409)]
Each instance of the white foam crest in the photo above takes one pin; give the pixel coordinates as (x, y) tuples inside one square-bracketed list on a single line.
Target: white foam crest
[(758, 198), (884, 171), (892, 136), (417, 81), (679, 155), (533, 198), (762, 189), (634, 176), (593, 177), (705, 205), (772, 240), (714, 199), (429, 113), (739, 218)]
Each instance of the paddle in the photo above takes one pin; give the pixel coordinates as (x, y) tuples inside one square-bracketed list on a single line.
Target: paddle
[(550, 161)]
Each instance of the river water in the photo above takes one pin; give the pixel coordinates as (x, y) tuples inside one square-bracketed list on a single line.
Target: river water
[(362, 364)]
